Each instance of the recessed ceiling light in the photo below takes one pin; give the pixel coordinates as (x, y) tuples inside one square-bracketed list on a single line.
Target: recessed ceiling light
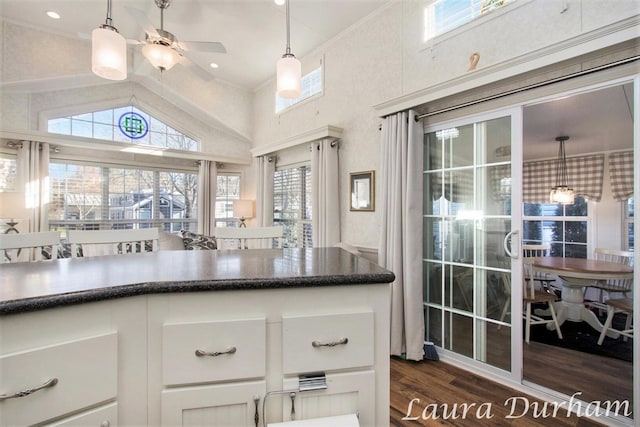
[(53, 15), (279, 2), (213, 65)]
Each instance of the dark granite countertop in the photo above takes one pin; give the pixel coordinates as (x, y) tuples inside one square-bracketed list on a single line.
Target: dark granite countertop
[(46, 284)]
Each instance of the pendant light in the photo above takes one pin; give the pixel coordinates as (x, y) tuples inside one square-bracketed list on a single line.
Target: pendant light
[(561, 193), (289, 69), (108, 51)]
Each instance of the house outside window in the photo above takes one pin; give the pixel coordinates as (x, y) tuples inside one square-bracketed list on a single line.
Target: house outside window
[(93, 196), (292, 205), (565, 227), (228, 191)]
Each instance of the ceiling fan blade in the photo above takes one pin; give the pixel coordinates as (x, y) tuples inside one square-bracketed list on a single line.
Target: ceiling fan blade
[(214, 47), (143, 21), (201, 72)]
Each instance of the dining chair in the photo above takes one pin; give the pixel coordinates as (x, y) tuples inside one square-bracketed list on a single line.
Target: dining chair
[(618, 305), (609, 286), (249, 237), (530, 296), (546, 281), (112, 242), (29, 246)]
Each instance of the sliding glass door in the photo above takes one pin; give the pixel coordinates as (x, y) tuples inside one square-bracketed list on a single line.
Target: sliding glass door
[(468, 182)]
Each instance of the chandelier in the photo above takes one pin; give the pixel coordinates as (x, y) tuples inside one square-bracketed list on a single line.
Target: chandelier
[(561, 193)]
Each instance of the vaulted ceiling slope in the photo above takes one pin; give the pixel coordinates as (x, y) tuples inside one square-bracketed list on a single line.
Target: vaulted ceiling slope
[(252, 31)]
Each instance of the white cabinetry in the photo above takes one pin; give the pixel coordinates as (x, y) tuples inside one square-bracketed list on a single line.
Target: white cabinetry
[(199, 358), (261, 341)]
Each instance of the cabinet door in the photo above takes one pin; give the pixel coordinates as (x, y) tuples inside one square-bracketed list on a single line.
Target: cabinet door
[(229, 405), (346, 393)]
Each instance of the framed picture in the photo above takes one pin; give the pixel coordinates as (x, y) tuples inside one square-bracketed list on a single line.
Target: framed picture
[(362, 191)]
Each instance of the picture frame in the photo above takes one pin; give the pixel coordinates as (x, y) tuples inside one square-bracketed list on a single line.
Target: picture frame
[(362, 191)]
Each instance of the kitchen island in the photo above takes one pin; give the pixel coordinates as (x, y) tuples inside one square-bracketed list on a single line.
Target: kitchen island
[(194, 337)]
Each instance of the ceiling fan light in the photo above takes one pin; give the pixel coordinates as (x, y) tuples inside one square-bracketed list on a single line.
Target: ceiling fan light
[(108, 53), (160, 56), (289, 72)]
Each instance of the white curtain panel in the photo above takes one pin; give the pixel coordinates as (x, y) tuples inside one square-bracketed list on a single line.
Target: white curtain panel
[(33, 164), (401, 229), (207, 190), (266, 168), (325, 193)]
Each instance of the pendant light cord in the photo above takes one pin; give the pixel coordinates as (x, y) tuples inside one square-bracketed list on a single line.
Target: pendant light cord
[(108, 21)]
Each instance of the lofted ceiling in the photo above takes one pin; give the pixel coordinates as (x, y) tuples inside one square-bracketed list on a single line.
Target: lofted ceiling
[(252, 31)]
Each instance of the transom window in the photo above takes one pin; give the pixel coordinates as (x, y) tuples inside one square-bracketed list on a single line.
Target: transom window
[(442, 16), (311, 84), (125, 124)]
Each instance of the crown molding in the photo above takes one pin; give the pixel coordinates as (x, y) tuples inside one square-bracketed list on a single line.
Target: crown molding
[(303, 138)]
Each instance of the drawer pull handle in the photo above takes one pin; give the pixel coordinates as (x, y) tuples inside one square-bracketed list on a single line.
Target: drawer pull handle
[(343, 341), (202, 353), (27, 392)]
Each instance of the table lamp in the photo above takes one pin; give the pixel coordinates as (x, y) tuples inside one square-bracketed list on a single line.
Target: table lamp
[(243, 209), (12, 208)]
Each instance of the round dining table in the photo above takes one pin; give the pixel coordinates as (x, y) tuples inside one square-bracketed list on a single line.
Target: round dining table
[(575, 274)]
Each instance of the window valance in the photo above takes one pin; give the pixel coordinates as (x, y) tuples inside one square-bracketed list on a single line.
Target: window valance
[(584, 175), (621, 174)]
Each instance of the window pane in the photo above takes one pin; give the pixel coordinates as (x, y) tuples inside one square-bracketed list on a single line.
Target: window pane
[(105, 125), (95, 197), (8, 174), (292, 205)]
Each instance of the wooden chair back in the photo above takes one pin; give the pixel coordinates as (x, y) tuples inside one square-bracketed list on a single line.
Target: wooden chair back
[(249, 237), (24, 247), (620, 257), (112, 242)]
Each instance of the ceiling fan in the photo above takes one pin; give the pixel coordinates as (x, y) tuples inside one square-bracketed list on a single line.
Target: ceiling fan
[(161, 48)]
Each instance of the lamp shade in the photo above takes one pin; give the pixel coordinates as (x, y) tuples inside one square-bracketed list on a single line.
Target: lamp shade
[(13, 205), (108, 54), (243, 209), (160, 56), (289, 71)]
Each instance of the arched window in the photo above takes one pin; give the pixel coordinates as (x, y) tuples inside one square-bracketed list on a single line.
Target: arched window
[(124, 124)]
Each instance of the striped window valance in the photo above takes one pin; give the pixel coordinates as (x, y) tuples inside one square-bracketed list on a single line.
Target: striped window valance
[(584, 176), (621, 174)]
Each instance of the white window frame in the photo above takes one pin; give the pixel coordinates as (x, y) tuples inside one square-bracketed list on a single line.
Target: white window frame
[(302, 221), (429, 40), (281, 104)]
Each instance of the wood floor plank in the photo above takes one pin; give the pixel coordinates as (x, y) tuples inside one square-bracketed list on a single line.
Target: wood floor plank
[(435, 383)]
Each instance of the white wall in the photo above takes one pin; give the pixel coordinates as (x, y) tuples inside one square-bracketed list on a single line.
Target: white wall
[(383, 58)]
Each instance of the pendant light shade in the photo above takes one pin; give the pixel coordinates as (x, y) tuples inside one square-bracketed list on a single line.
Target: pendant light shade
[(289, 75), (561, 193), (108, 51), (160, 56), (288, 69)]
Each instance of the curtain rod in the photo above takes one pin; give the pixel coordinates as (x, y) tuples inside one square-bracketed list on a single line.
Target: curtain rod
[(531, 86)]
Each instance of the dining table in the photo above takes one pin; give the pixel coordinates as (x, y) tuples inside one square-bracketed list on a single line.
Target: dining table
[(575, 274)]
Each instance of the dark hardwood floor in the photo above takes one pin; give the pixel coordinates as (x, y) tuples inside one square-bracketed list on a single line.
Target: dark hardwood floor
[(431, 384)]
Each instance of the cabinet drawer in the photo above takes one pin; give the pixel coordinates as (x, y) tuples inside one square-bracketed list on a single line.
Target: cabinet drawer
[(104, 416), (86, 374), (213, 351), (321, 343)]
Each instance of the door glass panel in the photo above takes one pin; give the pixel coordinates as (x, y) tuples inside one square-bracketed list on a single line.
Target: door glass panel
[(467, 214)]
